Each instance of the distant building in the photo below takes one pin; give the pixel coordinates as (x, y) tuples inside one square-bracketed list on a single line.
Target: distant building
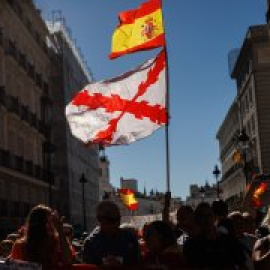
[(233, 178), (106, 189), (129, 183), (250, 113), (199, 194)]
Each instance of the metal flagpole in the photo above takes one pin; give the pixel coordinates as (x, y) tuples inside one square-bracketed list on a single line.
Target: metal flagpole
[(167, 198)]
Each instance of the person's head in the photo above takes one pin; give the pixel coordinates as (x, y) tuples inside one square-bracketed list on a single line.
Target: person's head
[(5, 248), (40, 236), (68, 231), (237, 222), (159, 235), (185, 217), (39, 222), (108, 216), (204, 217), (220, 209)]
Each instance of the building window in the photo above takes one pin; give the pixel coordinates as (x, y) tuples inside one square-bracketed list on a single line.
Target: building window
[(11, 141), (22, 61), (253, 124), (3, 208), (31, 70), (2, 189), (1, 37), (39, 80), (247, 102), (243, 74), (20, 146), (250, 97), (2, 128), (14, 192), (37, 37)]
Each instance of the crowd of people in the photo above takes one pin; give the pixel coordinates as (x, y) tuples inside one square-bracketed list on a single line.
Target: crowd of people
[(207, 237)]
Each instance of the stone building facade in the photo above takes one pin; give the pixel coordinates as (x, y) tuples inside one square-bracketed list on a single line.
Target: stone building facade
[(250, 112), (25, 95), (40, 162), (72, 158)]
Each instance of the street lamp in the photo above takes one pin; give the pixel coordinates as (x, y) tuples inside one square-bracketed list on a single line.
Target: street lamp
[(83, 180), (216, 173), (49, 149), (243, 140)]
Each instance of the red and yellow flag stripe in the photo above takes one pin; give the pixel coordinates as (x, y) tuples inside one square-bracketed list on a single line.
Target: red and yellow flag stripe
[(139, 29), (128, 198)]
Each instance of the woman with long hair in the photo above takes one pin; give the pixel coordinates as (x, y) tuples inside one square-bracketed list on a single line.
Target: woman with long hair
[(44, 242)]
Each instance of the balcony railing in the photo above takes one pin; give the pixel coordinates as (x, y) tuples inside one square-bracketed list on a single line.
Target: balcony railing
[(1, 37), (26, 167), (12, 104)]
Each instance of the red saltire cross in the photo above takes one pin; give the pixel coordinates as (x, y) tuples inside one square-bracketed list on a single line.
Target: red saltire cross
[(156, 113)]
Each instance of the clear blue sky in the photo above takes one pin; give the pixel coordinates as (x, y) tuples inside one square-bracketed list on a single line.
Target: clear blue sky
[(199, 36)]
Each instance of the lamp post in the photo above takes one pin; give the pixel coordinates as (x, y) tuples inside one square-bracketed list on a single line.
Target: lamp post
[(243, 140), (216, 173), (49, 149), (83, 180)]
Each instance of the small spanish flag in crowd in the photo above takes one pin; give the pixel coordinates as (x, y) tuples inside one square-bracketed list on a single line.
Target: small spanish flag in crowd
[(139, 29), (128, 198), (257, 195)]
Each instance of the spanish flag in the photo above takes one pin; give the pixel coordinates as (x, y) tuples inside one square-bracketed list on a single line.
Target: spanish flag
[(128, 198), (139, 29), (257, 195)]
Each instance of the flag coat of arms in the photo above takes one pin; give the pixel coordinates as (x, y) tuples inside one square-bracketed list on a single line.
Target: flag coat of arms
[(139, 29), (128, 199), (123, 109)]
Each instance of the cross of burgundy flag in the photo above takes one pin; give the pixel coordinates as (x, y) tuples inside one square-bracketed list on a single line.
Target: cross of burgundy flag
[(123, 109)]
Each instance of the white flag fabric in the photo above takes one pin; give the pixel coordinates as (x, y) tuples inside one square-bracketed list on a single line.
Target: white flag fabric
[(123, 109)]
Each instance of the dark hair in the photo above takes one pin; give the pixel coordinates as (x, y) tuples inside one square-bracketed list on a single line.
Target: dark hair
[(163, 229), (39, 244), (220, 208), (199, 211), (108, 210)]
